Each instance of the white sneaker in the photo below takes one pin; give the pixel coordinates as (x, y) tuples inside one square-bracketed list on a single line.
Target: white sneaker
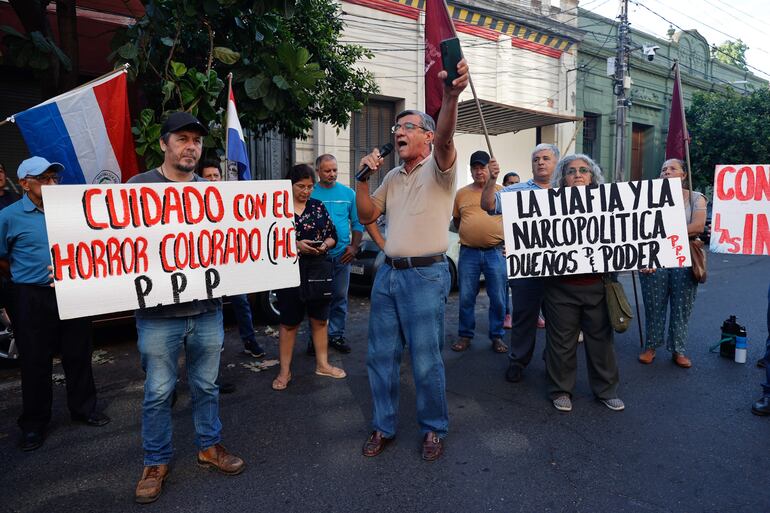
[(614, 404), (563, 403)]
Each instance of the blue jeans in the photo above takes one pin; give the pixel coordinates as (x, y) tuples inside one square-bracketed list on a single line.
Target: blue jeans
[(766, 385), (339, 308), (472, 263), (160, 341), (408, 311), (242, 310)]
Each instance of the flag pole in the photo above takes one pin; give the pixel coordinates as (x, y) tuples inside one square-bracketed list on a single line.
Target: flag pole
[(229, 92), (686, 134), (473, 90)]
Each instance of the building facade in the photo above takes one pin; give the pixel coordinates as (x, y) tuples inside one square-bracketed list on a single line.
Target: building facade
[(520, 54), (652, 85)]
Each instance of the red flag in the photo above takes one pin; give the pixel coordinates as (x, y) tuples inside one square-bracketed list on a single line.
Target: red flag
[(677, 125), (438, 27)]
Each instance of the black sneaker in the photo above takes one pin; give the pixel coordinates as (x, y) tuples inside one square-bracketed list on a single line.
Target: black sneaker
[(339, 344), (253, 348)]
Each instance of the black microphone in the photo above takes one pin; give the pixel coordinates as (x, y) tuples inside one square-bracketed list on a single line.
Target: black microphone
[(363, 175)]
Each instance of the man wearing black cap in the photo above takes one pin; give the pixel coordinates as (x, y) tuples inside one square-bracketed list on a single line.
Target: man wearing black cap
[(38, 329), (164, 331), (481, 251)]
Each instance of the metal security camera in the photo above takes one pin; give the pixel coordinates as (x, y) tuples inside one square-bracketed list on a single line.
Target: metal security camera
[(649, 51)]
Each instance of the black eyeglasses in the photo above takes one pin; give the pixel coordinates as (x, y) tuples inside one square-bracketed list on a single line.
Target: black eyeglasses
[(407, 126), (46, 178), (581, 170)]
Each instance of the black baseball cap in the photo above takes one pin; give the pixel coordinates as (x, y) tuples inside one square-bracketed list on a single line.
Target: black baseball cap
[(480, 157), (182, 121)]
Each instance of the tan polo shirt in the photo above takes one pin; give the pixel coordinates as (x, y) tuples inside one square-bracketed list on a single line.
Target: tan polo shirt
[(417, 208), (477, 228)]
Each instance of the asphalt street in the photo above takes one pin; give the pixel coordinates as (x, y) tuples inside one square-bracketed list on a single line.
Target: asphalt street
[(687, 441)]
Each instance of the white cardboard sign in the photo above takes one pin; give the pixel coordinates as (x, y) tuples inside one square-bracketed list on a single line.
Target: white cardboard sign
[(584, 230), (740, 218), (124, 247)]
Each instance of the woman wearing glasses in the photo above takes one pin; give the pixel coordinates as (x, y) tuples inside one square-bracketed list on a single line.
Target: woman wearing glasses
[(575, 303), (675, 287), (315, 234)]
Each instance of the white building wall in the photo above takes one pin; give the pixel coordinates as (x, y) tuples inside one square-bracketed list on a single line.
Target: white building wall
[(500, 73)]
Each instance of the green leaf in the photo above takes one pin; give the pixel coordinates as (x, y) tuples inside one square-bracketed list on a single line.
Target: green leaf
[(66, 62), (178, 69), (270, 101), (226, 55), (168, 41), (41, 42), (301, 57), (168, 89), (281, 82), (128, 51), (12, 31), (286, 56), (257, 87), (146, 117)]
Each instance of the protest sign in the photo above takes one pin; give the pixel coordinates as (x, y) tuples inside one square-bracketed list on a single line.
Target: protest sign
[(583, 230), (741, 208), (123, 247)]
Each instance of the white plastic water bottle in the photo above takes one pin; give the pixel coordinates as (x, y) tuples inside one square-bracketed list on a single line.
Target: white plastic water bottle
[(741, 346)]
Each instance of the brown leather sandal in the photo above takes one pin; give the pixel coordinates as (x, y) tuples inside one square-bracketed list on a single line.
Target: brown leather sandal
[(462, 344), (498, 346)]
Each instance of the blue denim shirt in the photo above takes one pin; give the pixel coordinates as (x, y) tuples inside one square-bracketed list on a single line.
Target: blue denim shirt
[(24, 242), (529, 185)]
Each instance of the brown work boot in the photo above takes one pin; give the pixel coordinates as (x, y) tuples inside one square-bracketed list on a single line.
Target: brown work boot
[(150, 485), (218, 458), (647, 356)]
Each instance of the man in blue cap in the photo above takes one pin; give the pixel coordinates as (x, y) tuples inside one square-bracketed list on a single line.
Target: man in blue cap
[(38, 329)]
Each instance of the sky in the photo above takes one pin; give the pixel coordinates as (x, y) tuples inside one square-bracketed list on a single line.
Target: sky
[(716, 20)]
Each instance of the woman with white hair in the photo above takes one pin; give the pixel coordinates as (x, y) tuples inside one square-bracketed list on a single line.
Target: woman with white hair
[(574, 303), (672, 286)]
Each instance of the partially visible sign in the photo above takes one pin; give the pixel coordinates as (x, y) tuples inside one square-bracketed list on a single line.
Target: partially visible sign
[(583, 230), (741, 208), (123, 247)]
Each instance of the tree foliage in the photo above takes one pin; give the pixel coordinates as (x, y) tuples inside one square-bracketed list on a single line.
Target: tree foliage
[(731, 52), (727, 128), (289, 67), (55, 65)]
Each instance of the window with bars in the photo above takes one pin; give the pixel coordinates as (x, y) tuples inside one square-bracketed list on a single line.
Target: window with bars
[(370, 128), (591, 135)]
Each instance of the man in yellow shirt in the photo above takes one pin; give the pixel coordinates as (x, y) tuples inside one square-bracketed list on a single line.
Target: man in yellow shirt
[(481, 251)]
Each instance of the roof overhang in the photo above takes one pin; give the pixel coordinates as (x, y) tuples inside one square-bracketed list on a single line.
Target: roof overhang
[(502, 119)]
